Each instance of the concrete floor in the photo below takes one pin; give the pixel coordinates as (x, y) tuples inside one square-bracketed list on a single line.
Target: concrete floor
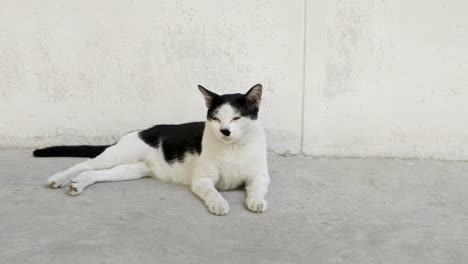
[(321, 211)]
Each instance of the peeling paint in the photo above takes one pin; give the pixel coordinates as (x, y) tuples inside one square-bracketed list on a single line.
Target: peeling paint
[(348, 32)]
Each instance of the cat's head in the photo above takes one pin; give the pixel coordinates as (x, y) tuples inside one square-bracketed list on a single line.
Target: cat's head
[(232, 116)]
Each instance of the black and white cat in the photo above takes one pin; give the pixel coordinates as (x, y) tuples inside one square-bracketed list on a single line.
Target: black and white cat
[(223, 153)]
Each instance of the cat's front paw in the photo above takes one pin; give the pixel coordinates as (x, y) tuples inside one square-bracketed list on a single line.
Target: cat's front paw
[(257, 206), (217, 206)]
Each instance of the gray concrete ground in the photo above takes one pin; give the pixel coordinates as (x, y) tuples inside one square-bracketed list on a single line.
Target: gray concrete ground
[(321, 211)]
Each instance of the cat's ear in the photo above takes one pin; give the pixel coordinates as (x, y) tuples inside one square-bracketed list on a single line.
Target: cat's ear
[(209, 95), (254, 95)]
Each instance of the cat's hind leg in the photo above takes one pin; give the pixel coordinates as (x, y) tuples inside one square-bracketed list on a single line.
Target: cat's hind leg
[(118, 173), (129, 149)]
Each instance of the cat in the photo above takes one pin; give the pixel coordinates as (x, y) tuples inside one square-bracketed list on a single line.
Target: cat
[(226, 151)]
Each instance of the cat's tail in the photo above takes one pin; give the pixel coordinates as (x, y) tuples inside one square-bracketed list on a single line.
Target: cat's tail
[(83, 151)]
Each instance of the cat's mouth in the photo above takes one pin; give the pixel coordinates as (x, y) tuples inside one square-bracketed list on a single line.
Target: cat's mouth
[(227, 139)]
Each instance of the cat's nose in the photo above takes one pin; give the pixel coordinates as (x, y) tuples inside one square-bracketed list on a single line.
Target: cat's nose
[(225, 132)]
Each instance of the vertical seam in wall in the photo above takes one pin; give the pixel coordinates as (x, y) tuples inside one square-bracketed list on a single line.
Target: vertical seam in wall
[(304, 60)]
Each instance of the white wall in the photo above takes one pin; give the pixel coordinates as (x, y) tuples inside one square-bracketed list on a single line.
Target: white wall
[(387, 78), (380, 78), (89, 71)]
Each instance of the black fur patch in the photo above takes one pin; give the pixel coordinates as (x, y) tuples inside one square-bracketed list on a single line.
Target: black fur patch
[(83, 151), (237, 101), (175, 140)]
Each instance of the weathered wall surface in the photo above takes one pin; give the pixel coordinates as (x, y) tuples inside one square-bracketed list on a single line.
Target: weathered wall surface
[(379, 78), (88, 71), (387, 78)]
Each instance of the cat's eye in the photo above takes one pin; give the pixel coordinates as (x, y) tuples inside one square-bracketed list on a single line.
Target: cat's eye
[(236, 118), (215, 119)]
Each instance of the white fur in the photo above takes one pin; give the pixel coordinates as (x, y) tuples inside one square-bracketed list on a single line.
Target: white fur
[(225, 163)]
